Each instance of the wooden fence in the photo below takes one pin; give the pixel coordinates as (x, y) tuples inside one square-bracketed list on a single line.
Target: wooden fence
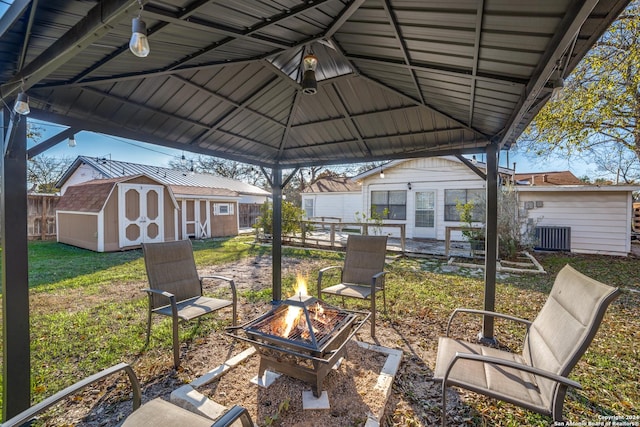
[(41, 216), (248, 214)]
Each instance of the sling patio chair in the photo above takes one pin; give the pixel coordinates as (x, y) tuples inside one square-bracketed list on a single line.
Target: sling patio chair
[(537, 379), (362, 275), (175, 289), (155, 413)]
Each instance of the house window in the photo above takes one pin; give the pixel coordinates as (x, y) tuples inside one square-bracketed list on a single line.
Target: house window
[(308, 208), (389, 204), (223, 208), (452, 197)]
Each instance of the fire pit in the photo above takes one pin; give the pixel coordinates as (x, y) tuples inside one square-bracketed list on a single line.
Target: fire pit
[(302, 337)]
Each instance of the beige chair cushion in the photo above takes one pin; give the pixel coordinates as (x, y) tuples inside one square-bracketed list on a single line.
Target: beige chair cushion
[(496, 381), (158, 412), (195, 307)]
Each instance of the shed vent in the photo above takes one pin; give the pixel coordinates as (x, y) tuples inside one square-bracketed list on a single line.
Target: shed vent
[(553, 238)]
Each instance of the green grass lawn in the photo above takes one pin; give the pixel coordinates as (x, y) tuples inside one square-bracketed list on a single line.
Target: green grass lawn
[(87, 313)]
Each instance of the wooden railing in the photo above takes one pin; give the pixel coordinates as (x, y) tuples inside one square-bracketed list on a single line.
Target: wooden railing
[(331, 234)]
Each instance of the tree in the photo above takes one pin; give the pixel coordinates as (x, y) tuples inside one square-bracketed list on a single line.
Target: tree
[(599, 107), (221, 167), (43, 172)]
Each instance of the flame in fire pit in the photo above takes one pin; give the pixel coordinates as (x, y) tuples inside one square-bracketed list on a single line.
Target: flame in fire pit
[(301, 288), (294, 313)]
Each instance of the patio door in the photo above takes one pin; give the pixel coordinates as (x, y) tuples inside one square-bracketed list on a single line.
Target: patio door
[(425, 215), (140, 208)]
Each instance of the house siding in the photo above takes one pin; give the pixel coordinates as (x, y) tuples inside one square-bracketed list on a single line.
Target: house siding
[(599, 220), (429, 174), (339, 205)]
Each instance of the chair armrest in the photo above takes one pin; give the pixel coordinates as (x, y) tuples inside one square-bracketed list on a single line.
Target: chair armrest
[(485, 313), (230, 281), (234, 294), (511, 364), (331, 267), (324, 270), (28, 414), (159, 292), (169, 295), (374, 280), (235, 413)]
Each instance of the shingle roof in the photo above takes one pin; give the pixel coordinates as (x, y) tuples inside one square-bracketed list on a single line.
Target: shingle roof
[(332, 185), (87, 197), (547, 178)]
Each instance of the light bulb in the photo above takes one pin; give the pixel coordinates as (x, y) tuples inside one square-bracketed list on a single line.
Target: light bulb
[(309, 83), (72, 141), (139, 43), (22, 104), (381, 174), (310, 62)]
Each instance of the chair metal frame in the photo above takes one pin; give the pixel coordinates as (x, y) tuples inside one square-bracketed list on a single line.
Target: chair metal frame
[(520, 370), (192, 307), (361, 289), (229, 417)]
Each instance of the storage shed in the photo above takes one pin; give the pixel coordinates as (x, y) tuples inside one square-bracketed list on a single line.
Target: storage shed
[(108, 215)]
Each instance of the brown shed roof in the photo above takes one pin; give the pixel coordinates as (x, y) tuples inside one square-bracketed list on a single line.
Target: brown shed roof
[(332, 185), (548, 178), (87, 197)]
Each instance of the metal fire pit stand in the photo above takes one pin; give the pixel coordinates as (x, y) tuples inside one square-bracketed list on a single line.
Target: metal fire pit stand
[(287, 361)]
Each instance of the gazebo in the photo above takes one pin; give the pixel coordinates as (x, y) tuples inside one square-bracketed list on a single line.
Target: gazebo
[(280, 85)]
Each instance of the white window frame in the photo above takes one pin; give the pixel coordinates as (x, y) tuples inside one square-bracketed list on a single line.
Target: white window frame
[(219, 208)]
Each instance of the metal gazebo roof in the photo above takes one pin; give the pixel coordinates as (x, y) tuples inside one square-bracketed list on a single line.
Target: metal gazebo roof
[(396, 79)]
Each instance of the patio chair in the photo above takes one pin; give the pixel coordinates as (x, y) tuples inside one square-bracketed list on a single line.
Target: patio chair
[(156, 412), (537, 379), (175, 289), (362, 275)]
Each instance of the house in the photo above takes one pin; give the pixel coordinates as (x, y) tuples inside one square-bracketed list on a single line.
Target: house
[(338, 197), (106, 215), (423, 193), (200, 197)]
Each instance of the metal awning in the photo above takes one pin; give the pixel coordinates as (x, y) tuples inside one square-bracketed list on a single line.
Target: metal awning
[(396, 79)]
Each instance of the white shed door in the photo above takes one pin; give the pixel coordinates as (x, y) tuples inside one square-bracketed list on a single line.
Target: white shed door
[(425, 214), (140, 209)]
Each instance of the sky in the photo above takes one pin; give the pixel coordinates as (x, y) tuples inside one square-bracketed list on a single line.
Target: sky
[(92, 144)]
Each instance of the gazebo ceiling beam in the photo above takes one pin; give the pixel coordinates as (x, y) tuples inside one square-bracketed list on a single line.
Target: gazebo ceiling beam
[(235, 111), (97, 23), (466, 73), (476, 58), (569, 27), (225, 99), (403, 47)]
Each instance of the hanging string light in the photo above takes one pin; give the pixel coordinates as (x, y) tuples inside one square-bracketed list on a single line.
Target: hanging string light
[(139, 43), (309, 83), (22, 104)]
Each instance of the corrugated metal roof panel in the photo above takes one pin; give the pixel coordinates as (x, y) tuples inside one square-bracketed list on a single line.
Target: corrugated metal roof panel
[(223, 77)]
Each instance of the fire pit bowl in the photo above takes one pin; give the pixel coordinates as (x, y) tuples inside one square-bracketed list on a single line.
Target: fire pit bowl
[(302, 337)]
